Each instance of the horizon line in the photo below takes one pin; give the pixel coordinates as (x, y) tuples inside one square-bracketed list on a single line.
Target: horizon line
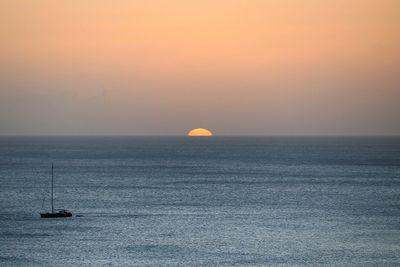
[(222, 135)]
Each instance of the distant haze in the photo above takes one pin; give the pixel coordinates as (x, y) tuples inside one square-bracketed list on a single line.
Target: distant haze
[(158, 67)]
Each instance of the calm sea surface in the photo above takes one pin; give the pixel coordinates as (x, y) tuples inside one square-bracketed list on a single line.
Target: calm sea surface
[(219, 201)]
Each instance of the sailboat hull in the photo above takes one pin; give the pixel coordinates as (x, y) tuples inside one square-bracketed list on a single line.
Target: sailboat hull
[(56, 215)]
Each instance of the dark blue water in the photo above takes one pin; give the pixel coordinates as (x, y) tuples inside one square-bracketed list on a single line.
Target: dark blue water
[(201, 202)]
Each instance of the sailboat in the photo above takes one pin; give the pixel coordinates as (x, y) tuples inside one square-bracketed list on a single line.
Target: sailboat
[(54, 213)]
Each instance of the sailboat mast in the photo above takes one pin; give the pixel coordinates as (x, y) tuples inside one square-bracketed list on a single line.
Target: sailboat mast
[(52, 178)]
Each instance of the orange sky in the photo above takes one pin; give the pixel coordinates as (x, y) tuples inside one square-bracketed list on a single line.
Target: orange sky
[(262, 67)]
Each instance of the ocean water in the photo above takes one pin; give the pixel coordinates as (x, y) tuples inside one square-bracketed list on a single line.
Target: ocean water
[(221, 201)]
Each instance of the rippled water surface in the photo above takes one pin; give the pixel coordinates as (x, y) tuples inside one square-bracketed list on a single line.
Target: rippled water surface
[(220, 201)]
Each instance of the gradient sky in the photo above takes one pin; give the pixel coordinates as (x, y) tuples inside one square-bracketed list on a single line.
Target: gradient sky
[(162, 67)]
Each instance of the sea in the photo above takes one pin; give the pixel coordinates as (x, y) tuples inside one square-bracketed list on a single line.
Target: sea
[(219, 201)]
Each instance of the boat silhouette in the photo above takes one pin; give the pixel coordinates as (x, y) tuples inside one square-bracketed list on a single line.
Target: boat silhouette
[(59, 213)]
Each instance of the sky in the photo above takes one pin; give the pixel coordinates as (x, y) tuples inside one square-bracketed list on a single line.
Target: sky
[(163, 67)]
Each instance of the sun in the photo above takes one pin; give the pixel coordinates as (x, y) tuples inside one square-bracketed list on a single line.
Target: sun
[(199, 132)]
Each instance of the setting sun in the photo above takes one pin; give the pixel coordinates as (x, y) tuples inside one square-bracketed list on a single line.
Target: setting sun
[(200, 132)]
